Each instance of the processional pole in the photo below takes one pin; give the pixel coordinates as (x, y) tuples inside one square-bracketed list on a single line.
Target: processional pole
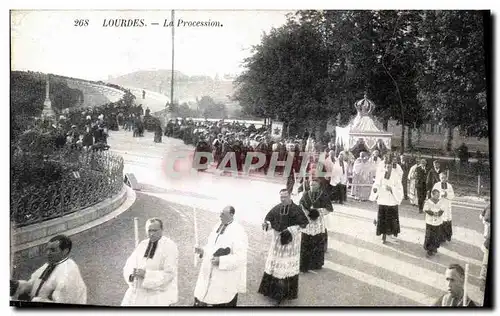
[(173, 50)]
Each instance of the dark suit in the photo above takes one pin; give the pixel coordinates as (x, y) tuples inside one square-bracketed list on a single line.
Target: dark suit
[(406, 169), (421, 186), (432, 178)]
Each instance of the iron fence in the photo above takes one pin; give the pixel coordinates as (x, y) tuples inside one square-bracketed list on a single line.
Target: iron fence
[(96, 176)]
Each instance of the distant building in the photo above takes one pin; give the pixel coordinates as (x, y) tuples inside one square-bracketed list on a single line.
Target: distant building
[(432, 135)]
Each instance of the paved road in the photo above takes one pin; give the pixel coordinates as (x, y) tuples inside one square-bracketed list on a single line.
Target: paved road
[(141, 154), (359, 269)]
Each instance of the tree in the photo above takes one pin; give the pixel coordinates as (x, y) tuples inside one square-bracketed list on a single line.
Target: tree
[(453, 88), (320, 62), (284, 76), (211, 109), (129, 98)]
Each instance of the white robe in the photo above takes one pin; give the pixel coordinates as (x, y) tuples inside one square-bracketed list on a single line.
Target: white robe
[(434, 219), (450, 195), (337, 175), (377, 165), (64, 285), (219, 284), (159, 286), (412, 192), (384, 196)]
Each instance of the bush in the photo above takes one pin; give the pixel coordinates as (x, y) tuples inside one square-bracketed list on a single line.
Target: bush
[(42, 181)]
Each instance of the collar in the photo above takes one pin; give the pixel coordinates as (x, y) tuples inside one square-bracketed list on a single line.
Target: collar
[(222, 227), (62, 260), (50, 268), (151, 249)]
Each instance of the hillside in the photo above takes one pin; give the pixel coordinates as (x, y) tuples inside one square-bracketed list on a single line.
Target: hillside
[(186, 88)]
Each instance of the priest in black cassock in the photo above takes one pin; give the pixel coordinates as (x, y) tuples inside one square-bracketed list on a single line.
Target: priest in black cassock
[(315, 203), (281, 273)]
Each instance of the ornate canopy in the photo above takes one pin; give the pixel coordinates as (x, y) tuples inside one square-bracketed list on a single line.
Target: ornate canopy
[(363, 128)]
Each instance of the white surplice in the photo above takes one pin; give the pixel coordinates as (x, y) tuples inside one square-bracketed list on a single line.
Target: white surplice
[(450, 195), (338, 175), (434, 220), (383, 195), (64, 285), (219, 284), (412, 192), (159, 286)]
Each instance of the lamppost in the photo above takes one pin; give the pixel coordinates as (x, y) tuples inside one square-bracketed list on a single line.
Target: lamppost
[(168, 110)]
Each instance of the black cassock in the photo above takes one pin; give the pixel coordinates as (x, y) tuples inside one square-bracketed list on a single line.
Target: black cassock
[(315, 236)]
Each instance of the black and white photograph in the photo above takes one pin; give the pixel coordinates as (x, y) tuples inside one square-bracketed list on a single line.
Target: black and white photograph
[(250, 158)]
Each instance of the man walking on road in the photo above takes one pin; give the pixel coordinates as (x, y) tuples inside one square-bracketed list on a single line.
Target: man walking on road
[(388, 192), (223, 269), (281, 273), (434, 209), (421, 184), (151, 270), (57, 281), (447, 195), (433, 177)]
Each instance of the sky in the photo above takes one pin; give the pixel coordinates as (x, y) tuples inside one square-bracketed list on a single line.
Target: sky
[(49, 42)]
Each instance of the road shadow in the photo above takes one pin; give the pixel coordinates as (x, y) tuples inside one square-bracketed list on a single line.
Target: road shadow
[(369, 220), (410, 253), (440, 260), (463, 248)]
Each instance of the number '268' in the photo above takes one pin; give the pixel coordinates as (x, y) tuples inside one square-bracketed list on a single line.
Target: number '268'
[(81, 22)]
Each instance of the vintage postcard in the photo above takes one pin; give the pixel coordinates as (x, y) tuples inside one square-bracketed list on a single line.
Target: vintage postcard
[(249, 158)]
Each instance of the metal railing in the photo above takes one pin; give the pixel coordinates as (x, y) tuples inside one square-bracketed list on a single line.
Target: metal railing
[(96, 177)]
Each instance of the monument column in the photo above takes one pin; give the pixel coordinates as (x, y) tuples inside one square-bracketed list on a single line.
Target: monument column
[(47, 111)]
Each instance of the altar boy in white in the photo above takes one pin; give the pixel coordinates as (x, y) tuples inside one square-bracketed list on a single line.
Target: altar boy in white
[(447, 196), (151, 270), (223, 270)]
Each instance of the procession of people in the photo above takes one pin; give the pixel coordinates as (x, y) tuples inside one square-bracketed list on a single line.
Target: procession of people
[(297, 227)]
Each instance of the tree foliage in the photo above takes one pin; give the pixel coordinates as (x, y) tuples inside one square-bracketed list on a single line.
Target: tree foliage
[(211, 109), (27, 96), (453, 85), (415, 65)]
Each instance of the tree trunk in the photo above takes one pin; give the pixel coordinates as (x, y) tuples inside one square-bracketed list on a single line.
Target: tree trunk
[(402, 150), (398, 92), (410, 145), (449, 139), (385, 125)]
